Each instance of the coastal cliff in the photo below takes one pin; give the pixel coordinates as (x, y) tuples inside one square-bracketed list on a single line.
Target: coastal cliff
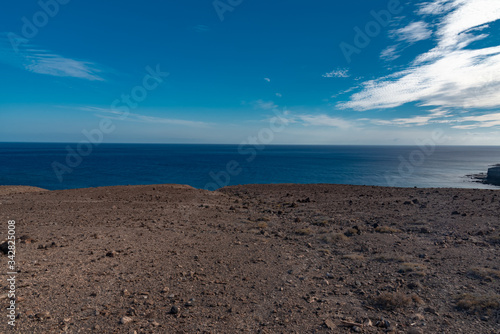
[(493, 176)]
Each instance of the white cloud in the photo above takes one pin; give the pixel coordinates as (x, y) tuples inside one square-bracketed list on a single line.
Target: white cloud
[(435, 116), (42, 62), (339, 73), (267, 79), (481, 121), (390, 53), (104, 112), (265, 105), (414, 32), (324, 120), (452, 74), (46, 62)]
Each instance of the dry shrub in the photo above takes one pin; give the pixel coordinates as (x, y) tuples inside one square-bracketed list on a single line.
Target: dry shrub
[(321, 223), (494, 239), (416, 268), (262, 225), (354, 256), (334, 237), (387, 229), (484, 273), (303, 231), (392, 300), (324, 251), (390, 258), (478, 303)]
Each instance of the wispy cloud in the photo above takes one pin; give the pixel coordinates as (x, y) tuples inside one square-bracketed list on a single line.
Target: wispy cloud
[(481, 121), (325, 120), (267, 79), (109, 113), (390, 52), (339, 73), (201, 28), (437, 115), (414, 32), (37, 60), (452, 74)]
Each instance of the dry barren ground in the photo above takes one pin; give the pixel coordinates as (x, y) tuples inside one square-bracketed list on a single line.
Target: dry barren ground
[(254, 259)]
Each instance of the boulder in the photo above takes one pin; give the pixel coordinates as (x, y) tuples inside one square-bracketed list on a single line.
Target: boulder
[(493, 176)]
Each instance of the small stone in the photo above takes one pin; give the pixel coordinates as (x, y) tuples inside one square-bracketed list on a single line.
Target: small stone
[(415, 330), (126, 293), (356, 329), (174, 310), (329, 275), (126, 320), (367, 323), (330, 324), (190, 302), (155, 324), (165, 290), (111, 254), (43, 315)]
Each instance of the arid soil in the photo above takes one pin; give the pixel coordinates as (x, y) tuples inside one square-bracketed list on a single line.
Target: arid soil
[(253, 259)]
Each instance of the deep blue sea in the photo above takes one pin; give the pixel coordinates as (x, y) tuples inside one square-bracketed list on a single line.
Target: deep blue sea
[(60, 166)]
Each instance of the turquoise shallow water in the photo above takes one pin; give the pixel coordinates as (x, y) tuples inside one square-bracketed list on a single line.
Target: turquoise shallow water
[(52, 166)]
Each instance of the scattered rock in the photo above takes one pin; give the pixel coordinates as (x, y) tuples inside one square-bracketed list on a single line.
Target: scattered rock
[(4, 247), (174, 310), (111, 254), (43, 315), (330, 324), (125, 320)]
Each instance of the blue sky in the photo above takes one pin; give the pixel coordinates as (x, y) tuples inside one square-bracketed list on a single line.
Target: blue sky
[(359, 72)]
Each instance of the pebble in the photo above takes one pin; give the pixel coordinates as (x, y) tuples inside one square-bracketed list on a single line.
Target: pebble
[(330, 324), (126, 320), (111, 254), (43, 315), (174, 310)]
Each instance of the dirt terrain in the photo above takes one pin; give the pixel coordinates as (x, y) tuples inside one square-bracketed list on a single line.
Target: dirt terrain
[(253, 259)]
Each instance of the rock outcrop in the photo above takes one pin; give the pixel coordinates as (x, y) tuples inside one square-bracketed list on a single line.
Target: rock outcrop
[(493, 176)]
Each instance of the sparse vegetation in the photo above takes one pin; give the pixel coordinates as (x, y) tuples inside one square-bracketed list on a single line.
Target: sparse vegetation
[(303, 231), (262, 225), (395, 300), (484, 273), (390, 258), (354, 256), (415, 268), (334, 237), (387, 229), (321, 223), (478, 303), (324, 251)]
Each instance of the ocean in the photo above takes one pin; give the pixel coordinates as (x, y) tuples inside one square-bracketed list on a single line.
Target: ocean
[(64, 166)]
